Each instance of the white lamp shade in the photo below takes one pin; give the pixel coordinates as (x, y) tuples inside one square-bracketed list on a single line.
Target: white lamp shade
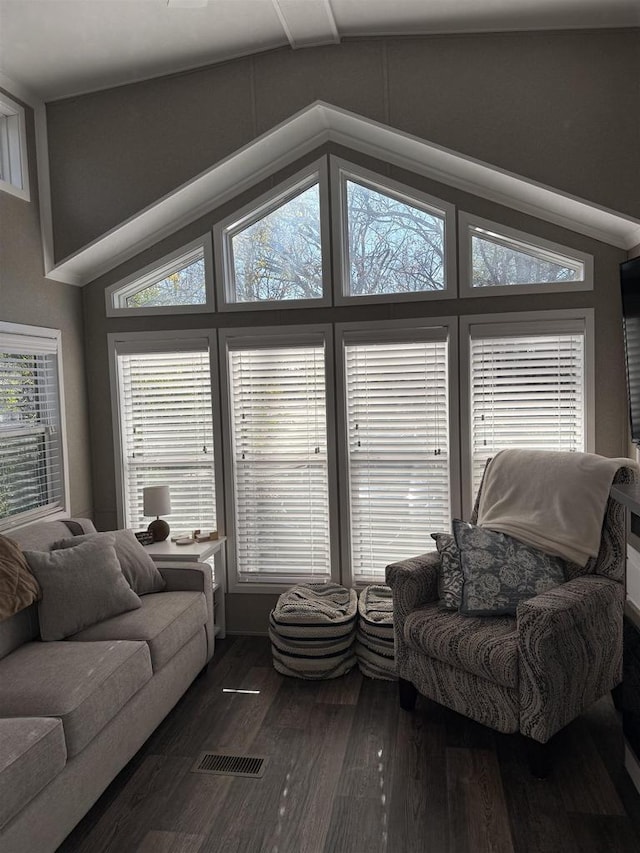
[(157, 500)]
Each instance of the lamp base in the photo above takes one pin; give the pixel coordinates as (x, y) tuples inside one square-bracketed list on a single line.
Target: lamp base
[(159, 529)]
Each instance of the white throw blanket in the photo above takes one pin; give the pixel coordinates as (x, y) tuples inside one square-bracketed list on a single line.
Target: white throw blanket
[(553, 501)]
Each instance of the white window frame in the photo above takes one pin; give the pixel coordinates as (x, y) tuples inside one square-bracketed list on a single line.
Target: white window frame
[(116, 294), (342, 171), (225, 230), (164, 341), (17, 162), (467, 222), (422, 329), (522, 323), (274, 336), (52, 338)]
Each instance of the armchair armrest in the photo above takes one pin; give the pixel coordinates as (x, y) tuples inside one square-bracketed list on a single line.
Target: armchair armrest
[(192, 577), (570, 652), (413, 582)]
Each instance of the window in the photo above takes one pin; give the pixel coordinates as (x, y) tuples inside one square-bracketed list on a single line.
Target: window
[(181, 282), (527, 387), (14, 177), (496, 258), (279, 458), (32, 451), (276, 249), (166, 429), (396, 403), (393, 240)]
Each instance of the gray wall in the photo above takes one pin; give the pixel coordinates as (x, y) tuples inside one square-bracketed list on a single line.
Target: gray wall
[(248, 612), (557, 107), (27, 297)]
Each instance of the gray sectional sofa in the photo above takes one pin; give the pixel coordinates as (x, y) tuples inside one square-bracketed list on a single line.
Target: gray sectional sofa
[(73, 712)]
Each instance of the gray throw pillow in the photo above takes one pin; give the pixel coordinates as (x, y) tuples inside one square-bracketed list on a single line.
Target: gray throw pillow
[(449, 572), (137, 566), (499, 571), (79, 586)]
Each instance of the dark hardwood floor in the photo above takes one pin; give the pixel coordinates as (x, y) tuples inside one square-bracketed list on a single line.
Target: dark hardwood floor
[(349, 772)]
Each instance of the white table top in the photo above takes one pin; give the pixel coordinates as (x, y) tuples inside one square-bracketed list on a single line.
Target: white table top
[(168, 550)]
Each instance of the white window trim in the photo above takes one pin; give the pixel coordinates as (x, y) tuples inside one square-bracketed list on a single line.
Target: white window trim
[(467, 221), (171, 341), (341, 171), (127, 284), (224, 230), (54, 336), (516, 323), (17, 150), (376, 332), (273, 336)]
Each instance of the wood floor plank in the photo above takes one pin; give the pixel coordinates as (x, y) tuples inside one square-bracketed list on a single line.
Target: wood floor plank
[(349, 771), (170, 842), (124, 824), (478, 818), (536, 812), (604, 834), (418, 811), (582, 777)]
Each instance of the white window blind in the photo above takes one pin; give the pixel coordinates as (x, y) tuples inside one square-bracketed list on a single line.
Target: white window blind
[(398, 450), (167, 433), (31, 446), (527, 390), (279, 457)]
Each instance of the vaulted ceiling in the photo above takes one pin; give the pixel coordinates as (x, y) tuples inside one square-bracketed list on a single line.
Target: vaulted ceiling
[(57, 48)]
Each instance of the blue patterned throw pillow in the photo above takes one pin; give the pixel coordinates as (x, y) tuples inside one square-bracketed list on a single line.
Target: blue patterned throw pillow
[(499, 571), (449, 572)]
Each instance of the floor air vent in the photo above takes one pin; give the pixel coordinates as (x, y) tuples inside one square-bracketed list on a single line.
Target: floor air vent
[(251, 766)]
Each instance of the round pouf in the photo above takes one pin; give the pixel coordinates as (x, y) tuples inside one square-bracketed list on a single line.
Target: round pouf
[(312, 629), (374, 638)]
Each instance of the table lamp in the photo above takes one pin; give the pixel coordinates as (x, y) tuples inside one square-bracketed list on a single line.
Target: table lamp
[(157, 502)]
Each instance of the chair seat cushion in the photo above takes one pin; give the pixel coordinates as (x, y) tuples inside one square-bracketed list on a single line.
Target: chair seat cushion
[(165, 621), (485, 646), (84, 684), (32, 753)]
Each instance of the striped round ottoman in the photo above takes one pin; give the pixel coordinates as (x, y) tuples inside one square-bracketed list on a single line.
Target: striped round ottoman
[(374, 638), (312, 629)]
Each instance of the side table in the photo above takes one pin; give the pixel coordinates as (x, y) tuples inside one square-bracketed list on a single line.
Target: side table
[(214, 554)]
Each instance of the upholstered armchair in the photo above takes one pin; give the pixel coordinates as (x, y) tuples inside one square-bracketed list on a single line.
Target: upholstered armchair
[(531, 673)]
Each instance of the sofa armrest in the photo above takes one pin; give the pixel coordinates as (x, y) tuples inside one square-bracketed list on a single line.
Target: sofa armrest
[(193, 577), (570, 652), (413, 582)]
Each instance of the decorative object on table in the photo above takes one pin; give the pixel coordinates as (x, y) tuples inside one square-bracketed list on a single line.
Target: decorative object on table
[(312, 629), (374, 638), (184, 540), (144, 537), (157, 501), (205, 535)]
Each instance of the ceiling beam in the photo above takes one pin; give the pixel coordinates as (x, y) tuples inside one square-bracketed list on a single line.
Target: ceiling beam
[(307, 23)]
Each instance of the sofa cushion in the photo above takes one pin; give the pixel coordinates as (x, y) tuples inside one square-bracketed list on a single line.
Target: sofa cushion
[(166, 621), (84, 684), (80, 586), (484, 646), (32, 753), (137, 566)]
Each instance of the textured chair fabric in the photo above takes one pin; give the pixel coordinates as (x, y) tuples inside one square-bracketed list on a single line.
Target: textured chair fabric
[(484, 646), (534, 673)]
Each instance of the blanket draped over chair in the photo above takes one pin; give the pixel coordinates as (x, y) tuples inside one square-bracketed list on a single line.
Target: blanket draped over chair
[(553, 501)]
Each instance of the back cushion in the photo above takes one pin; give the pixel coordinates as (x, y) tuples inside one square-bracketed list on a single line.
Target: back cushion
[(23, 626)]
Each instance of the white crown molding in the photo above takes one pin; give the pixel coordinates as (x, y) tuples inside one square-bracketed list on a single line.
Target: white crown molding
[(307, 23), (304, 131)]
